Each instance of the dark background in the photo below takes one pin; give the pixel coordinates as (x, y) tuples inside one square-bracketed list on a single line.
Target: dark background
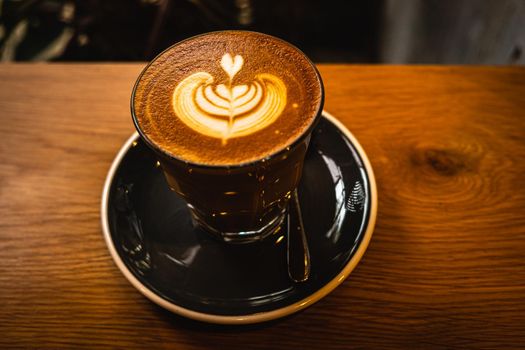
[(375, 31)]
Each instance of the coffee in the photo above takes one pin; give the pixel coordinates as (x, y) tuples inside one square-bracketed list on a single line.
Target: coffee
[(227, 98)]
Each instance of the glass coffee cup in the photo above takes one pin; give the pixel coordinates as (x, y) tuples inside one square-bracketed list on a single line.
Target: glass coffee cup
[(229, 116)]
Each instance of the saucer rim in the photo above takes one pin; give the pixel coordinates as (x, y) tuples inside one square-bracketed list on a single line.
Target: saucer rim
[(260, 316)]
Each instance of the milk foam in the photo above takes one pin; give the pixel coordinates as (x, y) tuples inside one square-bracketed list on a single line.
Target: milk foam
[(226, 111), (227, 98)]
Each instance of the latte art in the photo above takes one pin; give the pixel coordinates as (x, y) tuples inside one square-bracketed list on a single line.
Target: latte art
[(225, 111)]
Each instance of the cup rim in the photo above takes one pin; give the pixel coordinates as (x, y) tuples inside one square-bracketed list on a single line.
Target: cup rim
[(269, 157)]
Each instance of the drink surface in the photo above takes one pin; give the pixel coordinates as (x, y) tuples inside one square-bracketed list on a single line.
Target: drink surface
[(227, 98)]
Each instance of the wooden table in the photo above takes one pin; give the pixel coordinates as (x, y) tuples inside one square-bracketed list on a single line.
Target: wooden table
[(445, 268)]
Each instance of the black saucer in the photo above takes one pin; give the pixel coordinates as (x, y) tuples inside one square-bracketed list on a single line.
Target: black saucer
[(151, 237)]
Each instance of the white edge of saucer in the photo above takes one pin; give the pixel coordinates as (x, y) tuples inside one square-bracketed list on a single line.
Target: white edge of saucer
[(257, 317)]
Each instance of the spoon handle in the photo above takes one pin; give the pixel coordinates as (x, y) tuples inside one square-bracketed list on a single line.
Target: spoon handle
[(298, 254)]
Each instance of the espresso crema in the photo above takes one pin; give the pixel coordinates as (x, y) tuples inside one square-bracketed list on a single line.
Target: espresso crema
[(227, 98)]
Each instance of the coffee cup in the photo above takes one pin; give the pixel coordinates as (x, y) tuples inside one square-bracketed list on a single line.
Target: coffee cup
[(229, 116)]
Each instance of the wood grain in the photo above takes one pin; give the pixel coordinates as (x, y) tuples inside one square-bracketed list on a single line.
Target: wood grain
[(445, 268)]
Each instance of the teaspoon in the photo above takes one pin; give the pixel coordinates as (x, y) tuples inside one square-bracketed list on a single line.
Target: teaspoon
[(298, 254)]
